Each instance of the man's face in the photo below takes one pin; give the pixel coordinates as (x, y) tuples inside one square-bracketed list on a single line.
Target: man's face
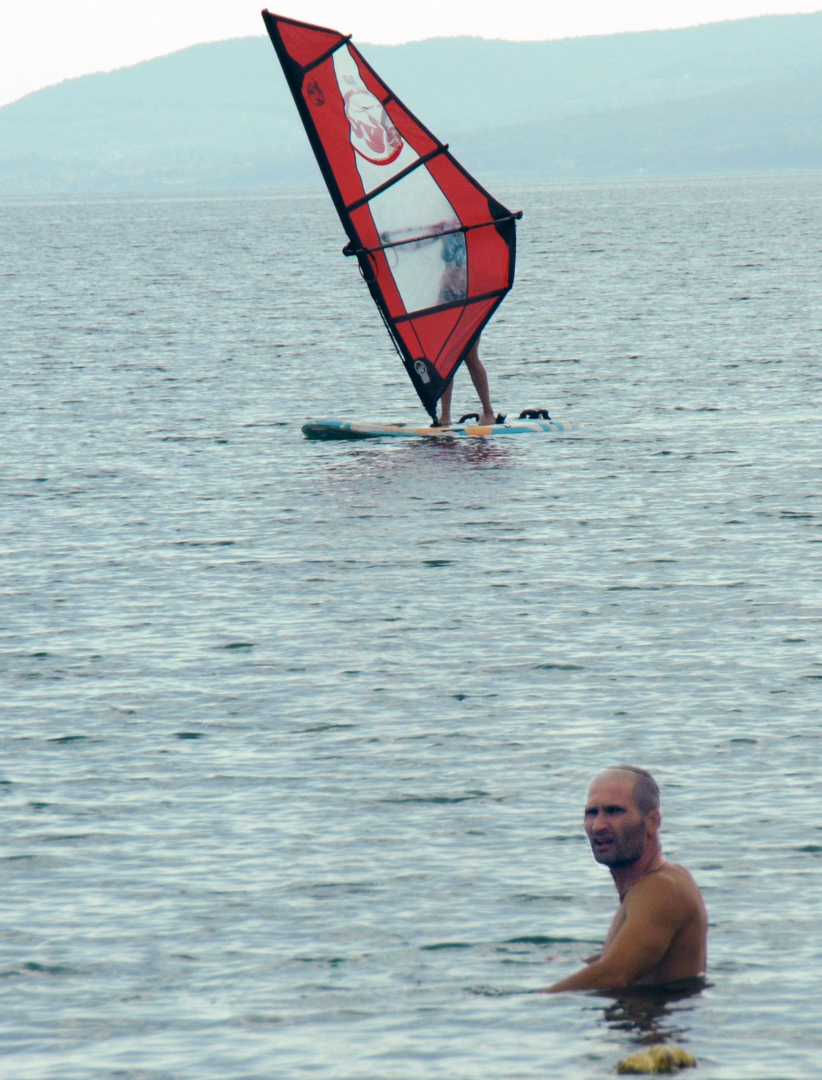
[(614, 826)]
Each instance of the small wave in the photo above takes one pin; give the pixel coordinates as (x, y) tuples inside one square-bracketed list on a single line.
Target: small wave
[(323, 727), (440, 945), (35, 968), (442, 800), (558, 667), (541, 939)]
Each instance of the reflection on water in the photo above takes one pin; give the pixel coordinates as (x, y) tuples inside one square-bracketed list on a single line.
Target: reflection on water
[(480, 453), (431, 470), (654, 1014)]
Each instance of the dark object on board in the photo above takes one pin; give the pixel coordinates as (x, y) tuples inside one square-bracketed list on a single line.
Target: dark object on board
[(534, 414), (500, 418)]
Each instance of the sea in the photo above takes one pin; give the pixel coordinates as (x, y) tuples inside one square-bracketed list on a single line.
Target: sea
[(296, 736)]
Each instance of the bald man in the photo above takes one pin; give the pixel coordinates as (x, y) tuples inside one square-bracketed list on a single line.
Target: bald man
[(660, 930)]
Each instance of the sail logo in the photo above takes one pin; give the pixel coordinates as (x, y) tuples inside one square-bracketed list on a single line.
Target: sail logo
[(373, 136), (422, 371), (315, 93)]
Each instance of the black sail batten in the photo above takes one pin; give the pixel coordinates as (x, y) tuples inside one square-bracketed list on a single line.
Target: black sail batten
[(498, 293), (432, 322), (321, 59), (394, 179), (348, 250)]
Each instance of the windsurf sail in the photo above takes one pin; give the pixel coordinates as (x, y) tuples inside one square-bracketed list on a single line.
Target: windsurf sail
[(435, 249)]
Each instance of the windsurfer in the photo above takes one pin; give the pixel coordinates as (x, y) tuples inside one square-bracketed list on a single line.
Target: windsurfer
[(445, 249), (479, 377), (659, 932)]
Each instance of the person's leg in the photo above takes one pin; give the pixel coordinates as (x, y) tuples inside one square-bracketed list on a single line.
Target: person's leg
[(479, 377), (445, 405)]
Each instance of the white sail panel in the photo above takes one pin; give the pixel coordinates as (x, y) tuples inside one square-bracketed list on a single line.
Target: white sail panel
[(427, 271)]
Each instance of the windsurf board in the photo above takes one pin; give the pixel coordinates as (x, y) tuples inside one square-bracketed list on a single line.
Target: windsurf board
[(350, 429)]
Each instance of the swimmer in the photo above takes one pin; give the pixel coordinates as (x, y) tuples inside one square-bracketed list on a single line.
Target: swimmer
[(660, 930)]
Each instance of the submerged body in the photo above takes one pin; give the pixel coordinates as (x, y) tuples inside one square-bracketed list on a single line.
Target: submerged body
[(661, 922), (659, 933)]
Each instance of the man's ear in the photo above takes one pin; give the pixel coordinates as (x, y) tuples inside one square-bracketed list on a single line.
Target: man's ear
[(654, 820)]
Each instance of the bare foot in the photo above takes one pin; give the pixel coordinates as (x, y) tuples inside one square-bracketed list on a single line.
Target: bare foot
[(487, 418), (445, 421)]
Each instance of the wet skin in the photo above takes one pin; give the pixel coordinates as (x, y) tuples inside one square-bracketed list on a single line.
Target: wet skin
[(659, 932)]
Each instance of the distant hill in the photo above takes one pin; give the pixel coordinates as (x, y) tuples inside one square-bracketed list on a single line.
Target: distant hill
[(734, 96), (768, 126)]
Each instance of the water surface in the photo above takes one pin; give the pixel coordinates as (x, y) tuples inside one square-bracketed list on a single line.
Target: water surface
[(296, 736)]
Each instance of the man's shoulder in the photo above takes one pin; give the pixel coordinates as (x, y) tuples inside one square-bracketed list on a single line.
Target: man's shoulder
[(671, 886), (675, 873)]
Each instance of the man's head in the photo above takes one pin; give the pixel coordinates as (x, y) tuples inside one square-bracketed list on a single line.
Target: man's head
[(622, 815)]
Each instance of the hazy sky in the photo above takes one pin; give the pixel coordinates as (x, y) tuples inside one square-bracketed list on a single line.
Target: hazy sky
[(48, 41)]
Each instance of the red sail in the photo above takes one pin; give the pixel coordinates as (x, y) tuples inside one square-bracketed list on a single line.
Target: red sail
[(436, 250)]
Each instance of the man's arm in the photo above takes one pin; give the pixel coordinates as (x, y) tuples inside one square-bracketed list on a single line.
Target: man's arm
[(653, 915)]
